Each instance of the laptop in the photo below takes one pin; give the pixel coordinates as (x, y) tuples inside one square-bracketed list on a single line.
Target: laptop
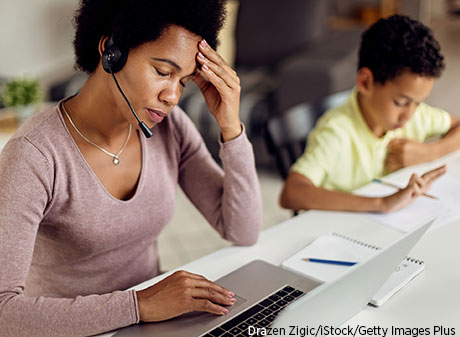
[(271, 297)]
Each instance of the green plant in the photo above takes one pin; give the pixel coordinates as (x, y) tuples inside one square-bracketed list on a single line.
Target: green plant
[(21, 91)]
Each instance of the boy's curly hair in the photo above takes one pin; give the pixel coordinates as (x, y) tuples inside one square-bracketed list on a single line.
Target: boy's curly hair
[(397, 44), (133, 22)]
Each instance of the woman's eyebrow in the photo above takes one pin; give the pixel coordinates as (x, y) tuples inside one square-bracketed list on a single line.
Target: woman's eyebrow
[(174, 64)]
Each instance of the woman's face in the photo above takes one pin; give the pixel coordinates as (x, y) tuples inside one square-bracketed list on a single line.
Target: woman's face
[(155, 74)]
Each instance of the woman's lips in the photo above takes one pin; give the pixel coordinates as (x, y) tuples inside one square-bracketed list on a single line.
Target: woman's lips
[(156, 115)]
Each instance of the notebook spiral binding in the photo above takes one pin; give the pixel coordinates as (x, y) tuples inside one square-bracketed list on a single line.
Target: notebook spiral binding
[(355, 241), (407, 258), (414, 260)]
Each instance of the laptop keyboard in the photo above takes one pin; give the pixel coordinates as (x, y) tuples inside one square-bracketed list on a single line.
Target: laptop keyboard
[(259, 315)]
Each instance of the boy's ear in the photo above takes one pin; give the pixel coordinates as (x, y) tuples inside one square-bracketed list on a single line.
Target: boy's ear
[(364, 80)]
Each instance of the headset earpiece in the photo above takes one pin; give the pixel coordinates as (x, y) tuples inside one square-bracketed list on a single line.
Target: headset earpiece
[(113, 58)]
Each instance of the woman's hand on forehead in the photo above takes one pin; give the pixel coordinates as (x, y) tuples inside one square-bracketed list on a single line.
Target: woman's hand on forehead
[(221, 89)]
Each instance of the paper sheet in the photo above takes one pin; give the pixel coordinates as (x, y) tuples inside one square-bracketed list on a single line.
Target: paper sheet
[(423, 209)]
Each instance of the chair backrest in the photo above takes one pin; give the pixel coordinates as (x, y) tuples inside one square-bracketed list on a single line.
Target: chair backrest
[(286, 134), (268, 30)]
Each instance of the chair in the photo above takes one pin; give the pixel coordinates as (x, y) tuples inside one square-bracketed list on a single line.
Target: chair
[(266, 32), (286, 134), (313, 73)]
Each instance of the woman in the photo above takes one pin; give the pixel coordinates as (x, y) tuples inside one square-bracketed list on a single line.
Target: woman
[(85, 194)]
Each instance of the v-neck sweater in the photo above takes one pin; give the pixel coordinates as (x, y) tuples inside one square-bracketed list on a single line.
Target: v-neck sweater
[(69, 249)]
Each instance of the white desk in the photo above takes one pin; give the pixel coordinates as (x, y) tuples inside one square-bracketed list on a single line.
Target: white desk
[(431, 299)]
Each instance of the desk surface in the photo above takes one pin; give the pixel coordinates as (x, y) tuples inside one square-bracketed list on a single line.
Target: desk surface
[(431, 299)]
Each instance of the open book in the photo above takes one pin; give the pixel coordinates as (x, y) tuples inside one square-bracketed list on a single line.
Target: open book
[(339, 247)]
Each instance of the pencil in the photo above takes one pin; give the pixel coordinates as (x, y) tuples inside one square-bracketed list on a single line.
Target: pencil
[(342, 263), (400, 188)]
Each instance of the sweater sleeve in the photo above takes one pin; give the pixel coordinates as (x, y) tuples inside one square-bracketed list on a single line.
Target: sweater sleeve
[(229, 198), (26, 180)]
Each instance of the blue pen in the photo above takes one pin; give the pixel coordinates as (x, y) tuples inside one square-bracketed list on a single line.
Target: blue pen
[(342, 263)]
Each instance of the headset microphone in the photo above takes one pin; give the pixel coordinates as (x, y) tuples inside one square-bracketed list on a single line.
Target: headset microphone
[(113, 60)]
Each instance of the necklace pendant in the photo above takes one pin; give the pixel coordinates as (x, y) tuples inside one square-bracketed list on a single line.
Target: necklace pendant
[(116, 160)]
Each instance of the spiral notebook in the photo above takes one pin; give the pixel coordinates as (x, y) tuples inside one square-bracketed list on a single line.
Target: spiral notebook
[(340, 247)]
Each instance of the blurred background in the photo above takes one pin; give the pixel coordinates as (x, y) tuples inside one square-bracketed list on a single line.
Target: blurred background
[(295, 59)]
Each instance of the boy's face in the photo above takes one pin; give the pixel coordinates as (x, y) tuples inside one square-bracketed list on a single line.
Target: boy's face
[(390, 105)]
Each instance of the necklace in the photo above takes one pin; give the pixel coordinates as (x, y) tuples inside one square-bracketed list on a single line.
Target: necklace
[(115, 156)]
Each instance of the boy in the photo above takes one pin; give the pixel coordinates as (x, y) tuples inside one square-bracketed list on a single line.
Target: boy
[(382, 127)]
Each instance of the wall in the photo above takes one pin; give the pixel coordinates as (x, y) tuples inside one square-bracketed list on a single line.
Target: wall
[(227, 34), (36, 38)]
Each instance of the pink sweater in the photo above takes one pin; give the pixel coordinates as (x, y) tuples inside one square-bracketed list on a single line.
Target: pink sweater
[(68, 249)]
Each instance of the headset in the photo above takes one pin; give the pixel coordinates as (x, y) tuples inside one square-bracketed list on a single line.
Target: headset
[(113, 60)]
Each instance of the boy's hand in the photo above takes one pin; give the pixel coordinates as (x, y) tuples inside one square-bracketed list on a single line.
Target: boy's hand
[(416, 187), (221, 90), (405, 152)]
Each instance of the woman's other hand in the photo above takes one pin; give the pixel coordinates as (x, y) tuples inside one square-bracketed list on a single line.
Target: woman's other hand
[(180, 293), (221, 89)]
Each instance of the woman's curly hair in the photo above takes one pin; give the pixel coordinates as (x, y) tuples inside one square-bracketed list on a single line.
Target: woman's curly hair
[(397, 44), (133, 22)]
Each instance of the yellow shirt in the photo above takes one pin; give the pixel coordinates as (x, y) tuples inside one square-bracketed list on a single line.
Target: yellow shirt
[(343, 154)]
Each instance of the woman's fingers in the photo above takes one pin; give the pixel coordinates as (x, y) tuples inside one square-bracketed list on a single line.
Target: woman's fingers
[(212, 295), (230, 80), (211, 60), (216, 80), (221, 89), (214, 287), (208, 306), (214, 57), (199, 281)]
